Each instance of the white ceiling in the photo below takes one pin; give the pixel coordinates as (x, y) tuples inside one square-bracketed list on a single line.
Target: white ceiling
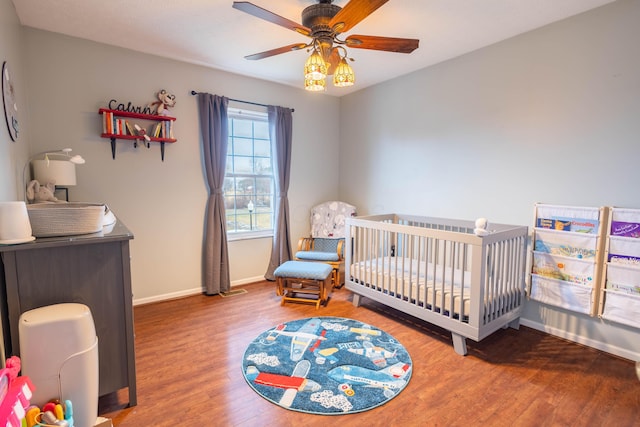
[(213, 34)]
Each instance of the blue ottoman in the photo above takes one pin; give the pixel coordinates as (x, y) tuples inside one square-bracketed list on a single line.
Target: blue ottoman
[(301, 281)]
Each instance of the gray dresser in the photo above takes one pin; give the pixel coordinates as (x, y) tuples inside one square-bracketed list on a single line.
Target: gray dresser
[(92, 269)]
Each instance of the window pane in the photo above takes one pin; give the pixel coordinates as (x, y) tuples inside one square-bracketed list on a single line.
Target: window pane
[(228, 167), (244, 192), (262, 148), (242, 147), (231, 223), (263, 166), (261, 130), (230, 203), (263, 186), (229, 186), (242, 128), (262, 221), (243, 165), (245, 223)]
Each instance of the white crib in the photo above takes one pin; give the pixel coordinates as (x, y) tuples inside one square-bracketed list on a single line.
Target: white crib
[(439, 271)]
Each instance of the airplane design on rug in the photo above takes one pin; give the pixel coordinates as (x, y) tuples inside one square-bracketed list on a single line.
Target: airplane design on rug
[(365, 333), (293, 384), (300, 339), (377, 355), (388, 379)]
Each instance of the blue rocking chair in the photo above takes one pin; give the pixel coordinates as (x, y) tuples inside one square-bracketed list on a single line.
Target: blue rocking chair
[(327, 237)]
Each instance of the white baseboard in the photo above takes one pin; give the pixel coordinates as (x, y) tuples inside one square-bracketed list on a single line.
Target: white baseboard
[(247, 281), (190, 292), (166, 297), (599, 345)]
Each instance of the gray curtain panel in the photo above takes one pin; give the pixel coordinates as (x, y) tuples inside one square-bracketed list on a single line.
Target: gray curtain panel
[(215, 135), (280, 132)]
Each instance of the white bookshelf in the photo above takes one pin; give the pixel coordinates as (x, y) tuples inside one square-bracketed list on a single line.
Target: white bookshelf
[(565, 264), (620, 283)]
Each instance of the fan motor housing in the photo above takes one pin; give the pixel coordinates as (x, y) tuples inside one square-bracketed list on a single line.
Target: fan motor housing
[(317, 16)]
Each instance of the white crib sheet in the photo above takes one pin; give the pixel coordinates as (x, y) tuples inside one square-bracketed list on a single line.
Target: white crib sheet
[(406, 278)]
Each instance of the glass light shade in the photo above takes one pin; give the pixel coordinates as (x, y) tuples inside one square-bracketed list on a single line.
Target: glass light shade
[(315, 85), (343, 75), (315, 68), (60, 172)]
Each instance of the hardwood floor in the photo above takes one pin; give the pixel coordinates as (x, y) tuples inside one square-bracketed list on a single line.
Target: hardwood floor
[(189, 357)]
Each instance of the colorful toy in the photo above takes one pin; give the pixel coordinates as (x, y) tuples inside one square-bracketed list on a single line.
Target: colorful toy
[(15, 395), (49, 407), (143, 133), (165, 100), (48, 418), (68, 412), (32, 414), (58, 411), (53, 414)]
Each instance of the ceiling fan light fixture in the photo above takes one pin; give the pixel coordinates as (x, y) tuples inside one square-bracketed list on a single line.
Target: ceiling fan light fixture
[(315, 68), (315, 85), (344, 76), (323, 22)]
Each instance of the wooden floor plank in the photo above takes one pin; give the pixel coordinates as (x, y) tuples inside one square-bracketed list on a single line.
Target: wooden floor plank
[(189, 357)]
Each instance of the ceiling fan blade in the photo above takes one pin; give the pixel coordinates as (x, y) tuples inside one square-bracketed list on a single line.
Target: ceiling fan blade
[(354, 12), (278, 51), (333, 60), (261, 13), (389, 44)]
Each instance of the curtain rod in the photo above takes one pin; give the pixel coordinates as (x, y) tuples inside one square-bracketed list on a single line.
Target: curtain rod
[(193, 92)]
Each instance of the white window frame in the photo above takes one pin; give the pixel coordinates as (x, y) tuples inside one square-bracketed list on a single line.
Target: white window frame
[(251, 234)]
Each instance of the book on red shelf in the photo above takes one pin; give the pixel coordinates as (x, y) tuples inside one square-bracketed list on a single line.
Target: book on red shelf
[(109, 123), (129, 127)]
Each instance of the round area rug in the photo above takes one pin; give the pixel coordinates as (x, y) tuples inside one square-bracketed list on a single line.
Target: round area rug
[(326, 365)]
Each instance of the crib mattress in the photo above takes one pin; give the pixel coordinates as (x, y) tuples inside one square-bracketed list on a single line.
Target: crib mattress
[(421, 283)]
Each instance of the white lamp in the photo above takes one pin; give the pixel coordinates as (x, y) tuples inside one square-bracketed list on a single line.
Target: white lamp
[(62, 173)]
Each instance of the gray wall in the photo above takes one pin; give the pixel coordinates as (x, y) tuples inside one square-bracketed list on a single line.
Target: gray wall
[(13, 155), (163, 202), (549, 116)]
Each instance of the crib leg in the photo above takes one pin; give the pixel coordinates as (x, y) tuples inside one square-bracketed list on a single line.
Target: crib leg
[(515, 324), (459, 344), (356, 300)]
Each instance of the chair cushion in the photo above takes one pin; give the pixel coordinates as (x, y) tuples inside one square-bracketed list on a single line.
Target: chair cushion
[(326, 245), (317, 256), (303, 270)]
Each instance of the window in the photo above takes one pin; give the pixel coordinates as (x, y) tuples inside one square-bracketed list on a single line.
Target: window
[(248, 182)]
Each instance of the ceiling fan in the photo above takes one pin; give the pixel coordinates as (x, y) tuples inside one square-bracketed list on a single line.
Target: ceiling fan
[(323, 23)]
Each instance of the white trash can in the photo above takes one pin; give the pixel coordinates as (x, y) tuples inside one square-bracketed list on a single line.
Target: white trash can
[(59, 353)]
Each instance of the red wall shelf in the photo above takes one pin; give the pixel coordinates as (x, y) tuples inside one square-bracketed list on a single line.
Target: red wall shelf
[(136, 138)]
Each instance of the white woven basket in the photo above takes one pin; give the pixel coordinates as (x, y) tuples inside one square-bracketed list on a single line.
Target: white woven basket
[(65, 219)]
